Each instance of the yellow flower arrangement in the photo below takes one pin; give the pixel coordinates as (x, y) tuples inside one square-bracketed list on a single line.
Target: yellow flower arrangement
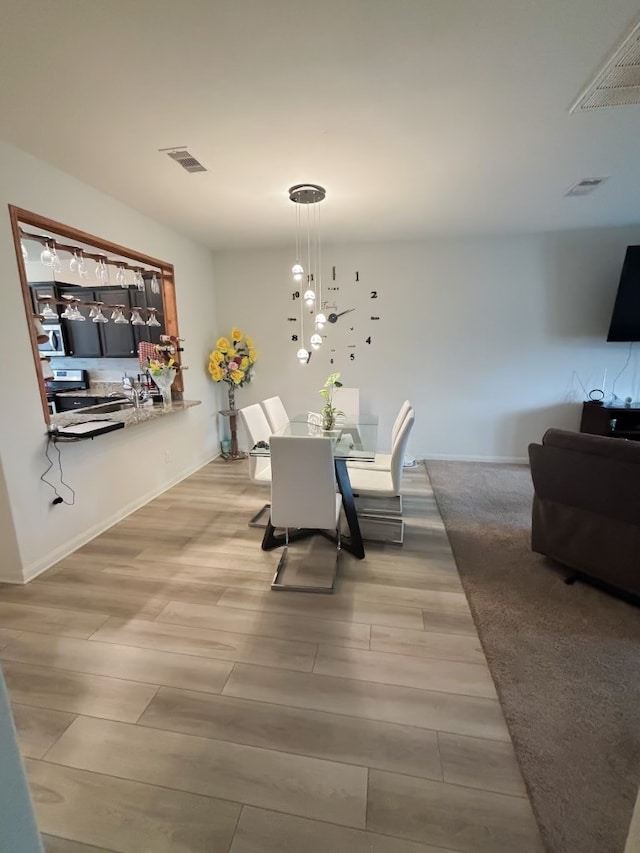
[(161, 368), (232, 360)]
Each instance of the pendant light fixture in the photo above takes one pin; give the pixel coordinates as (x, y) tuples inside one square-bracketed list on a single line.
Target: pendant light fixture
[(309, 195)]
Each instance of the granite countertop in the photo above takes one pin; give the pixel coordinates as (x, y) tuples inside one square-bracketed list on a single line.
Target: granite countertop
[(97, 389), (129, 416)]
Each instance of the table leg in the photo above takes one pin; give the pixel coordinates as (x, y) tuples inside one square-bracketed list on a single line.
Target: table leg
[(354, 545)]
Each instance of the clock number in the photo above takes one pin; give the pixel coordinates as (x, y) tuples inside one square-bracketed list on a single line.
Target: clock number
[(330, 361), (374, 294), (295, 295), (357, 276), (368, 340), (375, 318), (294, 337), (291, 319), (352, 356)]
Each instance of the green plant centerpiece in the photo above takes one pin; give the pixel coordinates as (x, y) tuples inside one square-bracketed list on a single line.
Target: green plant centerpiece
[(329, 411)]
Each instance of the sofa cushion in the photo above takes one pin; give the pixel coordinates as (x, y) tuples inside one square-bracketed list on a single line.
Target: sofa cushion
[(588, 471)]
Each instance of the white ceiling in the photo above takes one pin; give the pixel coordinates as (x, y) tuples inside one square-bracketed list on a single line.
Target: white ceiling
[(420, 117)]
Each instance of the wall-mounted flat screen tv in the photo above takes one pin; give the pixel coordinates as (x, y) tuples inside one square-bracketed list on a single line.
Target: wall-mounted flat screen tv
[(625, 320)]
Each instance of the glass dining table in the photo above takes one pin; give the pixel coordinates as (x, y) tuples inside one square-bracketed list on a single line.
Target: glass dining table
[(351, 441)]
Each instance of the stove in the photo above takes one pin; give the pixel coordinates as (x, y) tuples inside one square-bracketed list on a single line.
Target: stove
[(65, 380)]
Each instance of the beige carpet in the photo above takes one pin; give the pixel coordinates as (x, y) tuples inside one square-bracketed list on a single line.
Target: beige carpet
[(565, 659)]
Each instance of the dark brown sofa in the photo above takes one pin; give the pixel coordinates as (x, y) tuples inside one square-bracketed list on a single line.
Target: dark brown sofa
[(586, 508)]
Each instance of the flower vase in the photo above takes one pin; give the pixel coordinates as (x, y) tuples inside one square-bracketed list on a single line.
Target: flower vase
[(232, 398), (164, 381), (328, 421)]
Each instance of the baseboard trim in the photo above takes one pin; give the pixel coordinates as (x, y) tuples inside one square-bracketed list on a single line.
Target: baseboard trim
[(446, 457), (39, 566)]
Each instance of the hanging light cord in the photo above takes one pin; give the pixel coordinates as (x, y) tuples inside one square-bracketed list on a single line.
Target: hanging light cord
[(319, 266)]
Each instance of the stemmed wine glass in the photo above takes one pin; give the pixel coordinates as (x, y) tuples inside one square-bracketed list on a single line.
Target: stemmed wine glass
[(155, 286), (98, 316), (74, 261), (72, 312), (118, 315), (138, 280), (83, 272), (153, 319), (46, 258), (47, 312), (102, 272), (136, 319), (120, 276), (49, 256)]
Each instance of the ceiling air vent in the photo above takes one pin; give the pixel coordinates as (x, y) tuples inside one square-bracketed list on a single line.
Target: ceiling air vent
[(586, 185), (618, 83), (184, 158)]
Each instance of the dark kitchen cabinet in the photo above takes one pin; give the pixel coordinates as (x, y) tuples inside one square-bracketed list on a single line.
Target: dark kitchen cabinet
[(116, 339), (82, 339), (107, 340), (44, 289)]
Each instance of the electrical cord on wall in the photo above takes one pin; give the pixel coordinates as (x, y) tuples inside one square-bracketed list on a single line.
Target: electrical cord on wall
[(58, 497), (584, 390), (624, 367)]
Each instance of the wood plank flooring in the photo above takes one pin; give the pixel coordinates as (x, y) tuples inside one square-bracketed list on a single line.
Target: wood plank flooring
[(167, 700)]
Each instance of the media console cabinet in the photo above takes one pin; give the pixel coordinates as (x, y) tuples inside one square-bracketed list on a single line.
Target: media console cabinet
[(614, 421)]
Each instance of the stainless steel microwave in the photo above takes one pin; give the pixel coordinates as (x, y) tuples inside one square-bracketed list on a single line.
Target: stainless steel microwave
[(54, 346)]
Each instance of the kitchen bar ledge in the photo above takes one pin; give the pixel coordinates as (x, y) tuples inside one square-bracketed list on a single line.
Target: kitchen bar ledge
[(129, 416)]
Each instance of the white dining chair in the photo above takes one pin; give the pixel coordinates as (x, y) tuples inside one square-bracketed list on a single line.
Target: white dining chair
[(347, 400), (258, 429), (304, 497), (382, 461), (370, 485), (276, 413)]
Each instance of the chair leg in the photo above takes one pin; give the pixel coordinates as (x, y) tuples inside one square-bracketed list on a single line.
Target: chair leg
[(255, 520), (380, 528), (279, 586), (387, 506)]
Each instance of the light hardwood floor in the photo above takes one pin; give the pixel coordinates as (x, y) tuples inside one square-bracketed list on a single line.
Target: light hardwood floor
[(167, 700)]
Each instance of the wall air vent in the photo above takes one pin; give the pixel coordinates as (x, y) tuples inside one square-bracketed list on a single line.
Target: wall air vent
[(617, 84), (585, 186), (184, 158)]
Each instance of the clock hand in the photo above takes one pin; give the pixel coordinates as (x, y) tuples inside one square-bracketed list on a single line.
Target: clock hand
[(333, 318)]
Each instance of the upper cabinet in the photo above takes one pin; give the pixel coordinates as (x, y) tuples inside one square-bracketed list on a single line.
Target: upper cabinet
[(102, 340)]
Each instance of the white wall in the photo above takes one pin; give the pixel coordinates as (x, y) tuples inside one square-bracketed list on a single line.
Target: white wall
[(482, 334), (10, 562), (117, 472)]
